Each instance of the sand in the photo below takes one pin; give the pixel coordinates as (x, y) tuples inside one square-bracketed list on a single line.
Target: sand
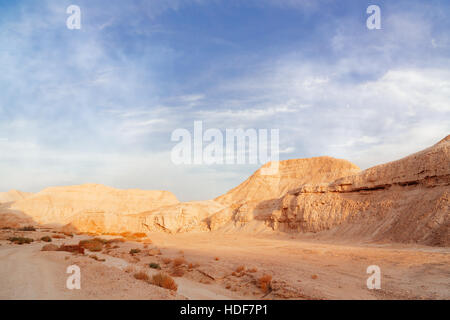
[(301, 269)]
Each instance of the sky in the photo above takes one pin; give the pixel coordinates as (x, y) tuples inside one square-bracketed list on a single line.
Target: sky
[(99, 104)]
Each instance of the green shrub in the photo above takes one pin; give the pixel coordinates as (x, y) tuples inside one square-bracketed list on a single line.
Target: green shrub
[(155, 266), (46, 239)]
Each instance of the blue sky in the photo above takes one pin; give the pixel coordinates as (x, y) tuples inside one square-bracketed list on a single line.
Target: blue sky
[(99, 104)]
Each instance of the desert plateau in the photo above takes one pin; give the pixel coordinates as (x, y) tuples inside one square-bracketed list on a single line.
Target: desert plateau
[(308, 232)]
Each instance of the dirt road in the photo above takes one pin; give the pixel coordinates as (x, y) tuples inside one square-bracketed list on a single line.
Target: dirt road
[(27, 274)]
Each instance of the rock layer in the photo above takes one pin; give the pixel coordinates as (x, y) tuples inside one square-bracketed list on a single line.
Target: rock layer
[(404, 201)]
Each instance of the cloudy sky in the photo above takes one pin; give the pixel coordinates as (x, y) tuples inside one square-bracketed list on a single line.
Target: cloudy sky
[(99, 104)]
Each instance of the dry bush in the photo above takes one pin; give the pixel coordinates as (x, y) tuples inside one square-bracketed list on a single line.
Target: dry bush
[(20, 240), (240, 269), (69, 234), (27, 228), (141, 275), (216, 258), (115, 240), (314, 276), (50, 247), (166, 260), (134, 251), (46, 239), (93, 256), (115, 247), (265, 282), (177, 272), (179, 261), (234, 274), (71, 248), (154, 265), (103, 241), (58, 236), (92, 244), (164, 281), (253, 270)]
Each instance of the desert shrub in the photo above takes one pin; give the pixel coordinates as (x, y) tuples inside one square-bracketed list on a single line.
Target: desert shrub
[(58, 236), (93, 256), (20, 240), (50, 247), (177, 272), (253, 270), (179, 261), (164, 281), (166, 260), (265, 282), (94, 245), (240, 269), (27, 228), (46, 239), (115, 240), (69, 234), (314, 276), (103, 241), (141, 275), (72, 248), (216, 258), (134, 251), (154, 265)]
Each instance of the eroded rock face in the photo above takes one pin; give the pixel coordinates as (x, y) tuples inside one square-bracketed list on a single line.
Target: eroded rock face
[(177, 218), (403, 201), (291, 174), (60, 204)]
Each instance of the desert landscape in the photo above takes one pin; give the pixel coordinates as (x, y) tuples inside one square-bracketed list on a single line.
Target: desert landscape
[(308, 232)]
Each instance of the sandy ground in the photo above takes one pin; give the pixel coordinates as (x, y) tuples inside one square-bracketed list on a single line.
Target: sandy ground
[(209, 269)]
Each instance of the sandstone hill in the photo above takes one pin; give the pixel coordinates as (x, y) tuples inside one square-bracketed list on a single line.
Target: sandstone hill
[(402, 201), (291, 174), (13, 195), (60, 204)]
